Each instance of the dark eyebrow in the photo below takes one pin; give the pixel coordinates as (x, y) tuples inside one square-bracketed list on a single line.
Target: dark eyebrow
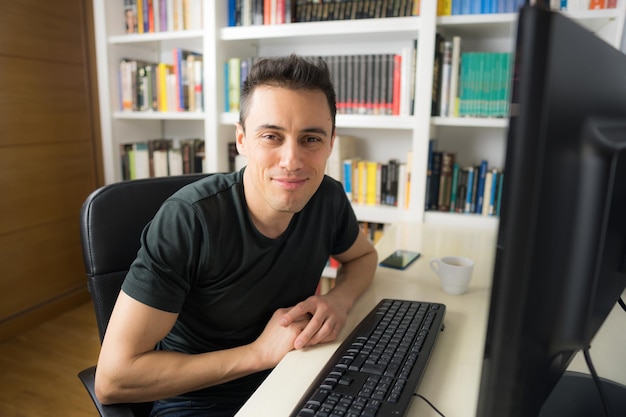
[(317, 130)]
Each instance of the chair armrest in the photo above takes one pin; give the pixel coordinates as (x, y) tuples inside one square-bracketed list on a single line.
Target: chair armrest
[(87, 377)]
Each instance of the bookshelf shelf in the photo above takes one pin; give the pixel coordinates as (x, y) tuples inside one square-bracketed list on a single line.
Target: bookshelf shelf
[(470, 122), (383, 214), (379, 137), (148, 115), (155, 37), (479, 25), (454, 219), (388, 28)]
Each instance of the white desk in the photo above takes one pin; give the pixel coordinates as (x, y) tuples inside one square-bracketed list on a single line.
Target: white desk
[(452, 378)]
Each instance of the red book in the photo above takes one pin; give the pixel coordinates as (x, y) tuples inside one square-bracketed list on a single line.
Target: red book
[(397, 77)]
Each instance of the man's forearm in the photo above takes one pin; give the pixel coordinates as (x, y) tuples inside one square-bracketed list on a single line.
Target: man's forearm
[(162, 374), (354, 277)]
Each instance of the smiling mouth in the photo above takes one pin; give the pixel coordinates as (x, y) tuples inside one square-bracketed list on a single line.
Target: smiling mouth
[(290, 183)]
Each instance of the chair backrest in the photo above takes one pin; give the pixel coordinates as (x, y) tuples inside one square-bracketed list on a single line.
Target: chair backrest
[(111, 221)]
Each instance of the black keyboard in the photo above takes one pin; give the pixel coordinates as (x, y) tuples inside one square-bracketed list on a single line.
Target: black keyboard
[(376, 370)]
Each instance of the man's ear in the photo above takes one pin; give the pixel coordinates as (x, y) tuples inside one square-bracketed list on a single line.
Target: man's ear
[(240, 137)]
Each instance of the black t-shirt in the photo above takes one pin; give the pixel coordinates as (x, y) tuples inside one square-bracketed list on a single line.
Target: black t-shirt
[(202, 257)]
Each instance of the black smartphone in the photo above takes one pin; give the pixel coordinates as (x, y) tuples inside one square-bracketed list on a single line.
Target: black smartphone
[(400, 259)]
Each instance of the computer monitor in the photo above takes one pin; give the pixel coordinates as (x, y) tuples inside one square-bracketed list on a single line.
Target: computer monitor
[(560, 263)]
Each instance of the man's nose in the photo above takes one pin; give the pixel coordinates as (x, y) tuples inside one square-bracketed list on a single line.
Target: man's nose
[(290, 155)]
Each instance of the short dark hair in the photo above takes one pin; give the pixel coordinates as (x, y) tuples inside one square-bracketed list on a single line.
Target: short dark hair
[(293, 72)]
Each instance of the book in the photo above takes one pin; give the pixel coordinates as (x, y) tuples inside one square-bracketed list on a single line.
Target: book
[(361, 181), (435, 178), (401, 198), (429, 172), (126, 155), (446, 71), (349, 178), (194, 82), (454, 187), (372, 179), (159, 156), (455, 65), (486, 199), (130, 16), (469, 193), (126, 84), (393, 175), (234, 84), (495, 178), (445, 181), (175, 158), (437, 68), (163, 70), (480, 186), (409, 170), (461, 191), (140, 165), (396, 87)]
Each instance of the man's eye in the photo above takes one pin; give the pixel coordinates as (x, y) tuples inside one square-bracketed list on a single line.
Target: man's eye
[(312, 139)]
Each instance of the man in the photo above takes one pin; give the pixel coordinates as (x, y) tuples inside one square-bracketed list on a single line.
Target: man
[(224, 282)]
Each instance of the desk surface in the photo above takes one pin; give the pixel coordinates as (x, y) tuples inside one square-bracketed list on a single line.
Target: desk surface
[(452, 378)]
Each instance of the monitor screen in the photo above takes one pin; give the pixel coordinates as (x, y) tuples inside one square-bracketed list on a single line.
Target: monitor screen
[(560, 261)]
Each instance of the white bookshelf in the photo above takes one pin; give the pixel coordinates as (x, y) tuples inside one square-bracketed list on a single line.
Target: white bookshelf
[(380, 137)]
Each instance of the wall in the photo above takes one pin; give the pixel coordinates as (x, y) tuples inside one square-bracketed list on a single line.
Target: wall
[(49, 157)]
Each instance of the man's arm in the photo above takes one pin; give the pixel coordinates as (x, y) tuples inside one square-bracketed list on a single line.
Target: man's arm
[(130, 370), (329, 312)]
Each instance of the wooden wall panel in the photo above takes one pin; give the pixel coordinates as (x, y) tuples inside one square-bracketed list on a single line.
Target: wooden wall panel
[(43, 30), (42, 102), (48, 269), (43, 184), (49, 156)]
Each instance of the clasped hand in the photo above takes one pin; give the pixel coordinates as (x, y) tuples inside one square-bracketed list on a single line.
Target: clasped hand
[(317, 319), (325, 317)]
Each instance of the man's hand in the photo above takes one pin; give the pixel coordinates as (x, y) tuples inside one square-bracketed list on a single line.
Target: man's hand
[(326, 317), (277, 338)]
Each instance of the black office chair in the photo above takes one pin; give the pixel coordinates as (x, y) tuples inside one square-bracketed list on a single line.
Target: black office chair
[(111, 221)]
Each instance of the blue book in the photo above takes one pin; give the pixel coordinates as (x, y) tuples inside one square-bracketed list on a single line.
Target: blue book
[(231, 13), (465, 7), (480, 188), (456, 7), (347, 178), (455, 185)]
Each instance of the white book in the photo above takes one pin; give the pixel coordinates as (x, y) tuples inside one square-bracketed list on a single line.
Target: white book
[(454, 77), (446, 70), (405, 81), (175, 159), (142, 160), (170, 15)]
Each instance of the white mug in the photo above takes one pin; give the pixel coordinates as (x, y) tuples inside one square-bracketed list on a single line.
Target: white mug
[(455, 273)]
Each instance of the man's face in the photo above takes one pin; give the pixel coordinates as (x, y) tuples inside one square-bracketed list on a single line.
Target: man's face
[(288, 139)]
